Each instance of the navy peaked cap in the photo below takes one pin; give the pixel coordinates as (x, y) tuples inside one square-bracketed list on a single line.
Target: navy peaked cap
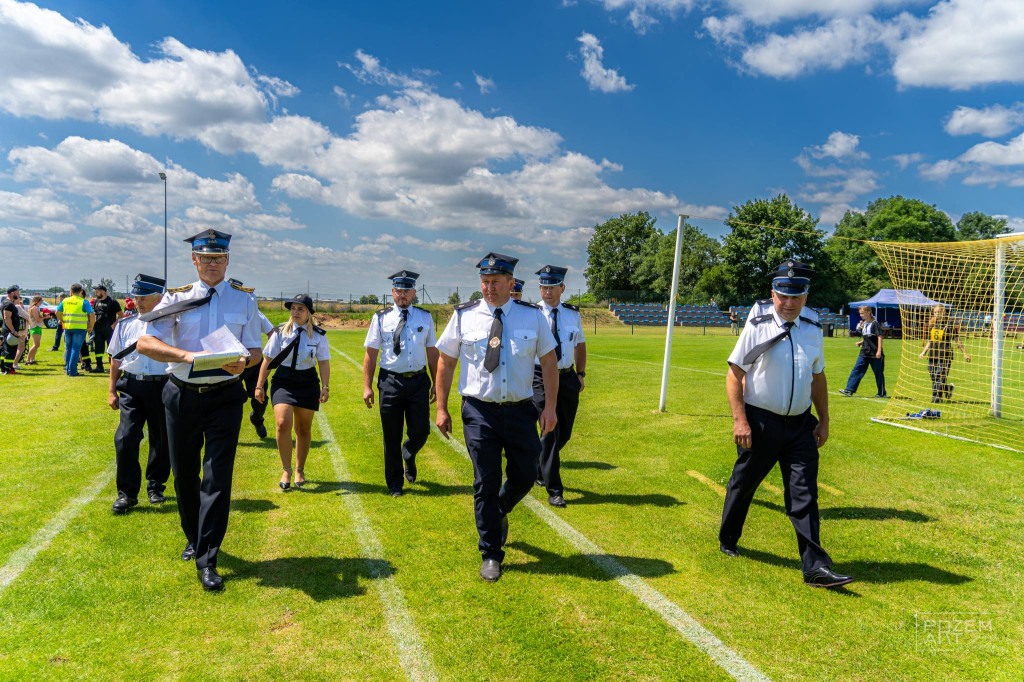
[(497, 264), (551, 275), (210, 241)]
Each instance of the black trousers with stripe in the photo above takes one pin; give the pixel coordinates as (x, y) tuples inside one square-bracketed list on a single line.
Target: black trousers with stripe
[(404, 402)]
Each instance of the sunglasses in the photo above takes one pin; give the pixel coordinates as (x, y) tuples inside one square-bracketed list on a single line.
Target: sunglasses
[(217, 260)]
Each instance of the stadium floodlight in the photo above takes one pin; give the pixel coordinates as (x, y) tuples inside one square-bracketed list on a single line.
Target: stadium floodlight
[(671, 313), (163, 176)]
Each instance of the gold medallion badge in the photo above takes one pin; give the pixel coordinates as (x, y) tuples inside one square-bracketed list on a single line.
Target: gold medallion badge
[(494, 342)]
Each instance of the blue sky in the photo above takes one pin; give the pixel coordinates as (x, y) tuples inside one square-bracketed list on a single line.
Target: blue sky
[(342, 141)]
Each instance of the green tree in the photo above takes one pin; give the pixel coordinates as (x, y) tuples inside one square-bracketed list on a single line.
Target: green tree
[(752, 253), (454, 299), (699, 253), (476, 296), (616, 253), (86, 284), (108, 283), (977, 225), (370, 299)]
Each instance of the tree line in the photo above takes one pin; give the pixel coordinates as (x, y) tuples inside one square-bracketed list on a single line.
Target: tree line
[(630, 259)]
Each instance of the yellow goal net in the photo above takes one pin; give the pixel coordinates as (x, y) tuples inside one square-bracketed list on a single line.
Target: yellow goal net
[(962, 356)]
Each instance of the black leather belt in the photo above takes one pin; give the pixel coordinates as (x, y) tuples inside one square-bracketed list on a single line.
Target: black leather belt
[(406, 375), (570, 368), (204, 388), (512, 404), (785, 418), (146, 377)]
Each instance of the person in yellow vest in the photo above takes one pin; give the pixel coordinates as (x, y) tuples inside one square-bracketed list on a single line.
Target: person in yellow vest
[(76, 314)]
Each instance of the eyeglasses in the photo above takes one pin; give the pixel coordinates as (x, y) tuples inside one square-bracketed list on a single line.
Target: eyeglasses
[(218, 260)]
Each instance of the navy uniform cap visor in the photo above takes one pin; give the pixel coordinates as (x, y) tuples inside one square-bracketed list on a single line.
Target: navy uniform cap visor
[(791, 287)]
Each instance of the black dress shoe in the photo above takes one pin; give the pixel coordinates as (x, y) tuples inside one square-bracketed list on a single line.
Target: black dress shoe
[(728, 550), (209, 578), (261, 429), (539, 483), (395, 493), (189, 553), (123, 503), (156, 497), (825, 577), (556, 501), (490, 570), (410, 470), (504, 530)]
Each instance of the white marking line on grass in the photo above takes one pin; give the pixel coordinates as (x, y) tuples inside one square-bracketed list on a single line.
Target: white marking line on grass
[(412, 655), (680, 620), (24, 556)]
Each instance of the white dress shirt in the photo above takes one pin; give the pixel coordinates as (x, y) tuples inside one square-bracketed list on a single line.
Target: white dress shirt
[(415, 339), (230, 306), (525, 337), (310, 350), (126, 332), (570, 331), (780, 380), (266, 326)]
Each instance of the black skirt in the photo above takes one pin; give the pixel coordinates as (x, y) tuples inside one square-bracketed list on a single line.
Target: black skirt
[(298, 387)]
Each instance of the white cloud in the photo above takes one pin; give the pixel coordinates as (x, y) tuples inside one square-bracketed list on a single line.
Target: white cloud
[(200, 218), (641, 12), (599, 77), (370, 70), (265, 221), (839, 145), (940, 170), (904, 160), (771, 11), (725, 31), (845, 180), (55, 227), (997, 154), (119, 218), (34, 204), (344, 98), (994, 121), (485, 84), (833, 213)]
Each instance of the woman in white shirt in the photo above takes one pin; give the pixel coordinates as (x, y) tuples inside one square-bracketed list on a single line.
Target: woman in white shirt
[(295, 352)]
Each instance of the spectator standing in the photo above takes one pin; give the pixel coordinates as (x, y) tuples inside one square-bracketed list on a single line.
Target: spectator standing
[(108, 312), (35, 329), (12, 327), (59, 334), (78, 318), (734, 322), (870, 355)]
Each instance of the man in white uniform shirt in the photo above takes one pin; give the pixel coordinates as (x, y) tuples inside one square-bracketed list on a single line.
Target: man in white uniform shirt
[(203, 407), (136, 387), (776, 371), (571, 354), (495, 341), (403, 336)]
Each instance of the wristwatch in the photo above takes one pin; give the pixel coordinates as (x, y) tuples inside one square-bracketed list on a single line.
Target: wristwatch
[(582, 374)]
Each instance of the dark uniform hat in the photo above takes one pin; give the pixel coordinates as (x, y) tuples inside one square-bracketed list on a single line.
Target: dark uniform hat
[(552, 275), (146, 285), (517, 285), (792, 278), (14, 287), (404, 279), (497, 264), (210, 241), (301, 299)]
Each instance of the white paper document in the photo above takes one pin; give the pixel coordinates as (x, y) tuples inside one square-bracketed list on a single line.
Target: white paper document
[(219, 348)]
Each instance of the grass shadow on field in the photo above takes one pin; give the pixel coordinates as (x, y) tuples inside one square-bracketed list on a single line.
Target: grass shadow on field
[(602, 466), (321, 577), (269, 442), (319, 487), (583, 565), (866, 571), (423, 488), (649, 499), (858, 513), (245, 505)]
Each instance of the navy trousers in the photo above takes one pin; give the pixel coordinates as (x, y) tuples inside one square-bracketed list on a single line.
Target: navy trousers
[(193, 419), (790, 442), (404, 401), (141, 405), (488, 429), (860, 368), (551, 443), (249, 377)]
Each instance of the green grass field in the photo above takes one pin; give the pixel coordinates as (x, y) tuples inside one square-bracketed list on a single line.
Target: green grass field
[(343, 582)]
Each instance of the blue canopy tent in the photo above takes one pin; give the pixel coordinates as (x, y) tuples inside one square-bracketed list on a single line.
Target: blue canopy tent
[(886, 304)]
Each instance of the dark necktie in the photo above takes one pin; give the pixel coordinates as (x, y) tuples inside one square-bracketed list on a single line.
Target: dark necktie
[(554, 330), (292, 347), (493, 355), (398, 332), (762, 348), (179, 307)]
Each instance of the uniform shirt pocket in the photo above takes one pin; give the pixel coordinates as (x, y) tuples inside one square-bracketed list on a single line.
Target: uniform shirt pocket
[(474, 344), (524, 342), (188, 325), (235, 322)]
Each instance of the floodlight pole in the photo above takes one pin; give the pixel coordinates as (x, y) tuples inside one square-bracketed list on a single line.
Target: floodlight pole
[(998, 306), (163, 176), (671, 312)]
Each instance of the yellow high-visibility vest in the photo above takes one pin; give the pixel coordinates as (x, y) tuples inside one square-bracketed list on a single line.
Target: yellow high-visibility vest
[(75, 316)]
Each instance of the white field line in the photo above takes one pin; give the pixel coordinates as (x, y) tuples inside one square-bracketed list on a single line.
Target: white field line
[(684, 623), (42, 538), (412, 655)]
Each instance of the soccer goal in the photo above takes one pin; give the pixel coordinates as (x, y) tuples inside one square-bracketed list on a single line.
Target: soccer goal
[(962, 314)]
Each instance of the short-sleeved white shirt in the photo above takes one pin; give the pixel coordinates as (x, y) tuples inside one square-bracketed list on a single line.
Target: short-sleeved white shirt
[(232, 307), (266, 326), (570, 331), (310, 351), (525, 337), (126, 332), (417, 336), (780, 380)]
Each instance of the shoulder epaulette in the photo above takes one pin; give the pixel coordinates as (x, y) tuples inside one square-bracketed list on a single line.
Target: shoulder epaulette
[(762, 318), (247, 290), (468, 304), (320, 330), (570, 306), (383, 310), (232, 280), (528, 305), (178, 290), (807, 319), (764, 301), (278, 328)]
